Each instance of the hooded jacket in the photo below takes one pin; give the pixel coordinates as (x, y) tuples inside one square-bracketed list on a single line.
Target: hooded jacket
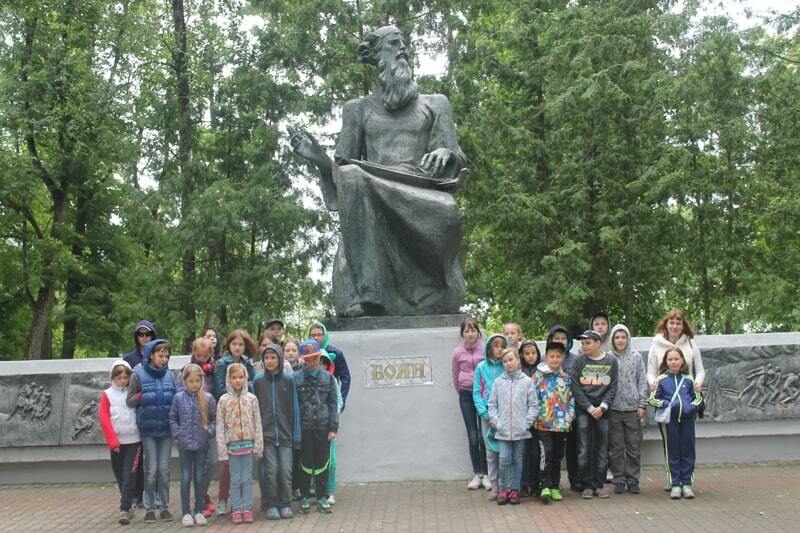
[(513, 406), (185, 422), (632, 390), (686, 401), (151, 391), (317, 394), (486, 372), (569, 357), (528, 370), (134, 357), (221, 373), (556, 405), (238, 422), (278, 404), (117, 420), (691, 353), (340, 370), (605, 343), (465, 360)]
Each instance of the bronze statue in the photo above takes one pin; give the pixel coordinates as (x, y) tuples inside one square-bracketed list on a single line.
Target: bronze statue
[(396, 162)]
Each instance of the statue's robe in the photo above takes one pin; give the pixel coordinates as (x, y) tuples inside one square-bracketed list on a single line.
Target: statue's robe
[(399, 244)]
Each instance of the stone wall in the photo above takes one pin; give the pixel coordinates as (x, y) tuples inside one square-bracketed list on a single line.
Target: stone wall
[(402, 419)]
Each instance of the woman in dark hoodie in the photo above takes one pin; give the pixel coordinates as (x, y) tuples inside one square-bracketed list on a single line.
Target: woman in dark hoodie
[(529, 358), (144, 332)]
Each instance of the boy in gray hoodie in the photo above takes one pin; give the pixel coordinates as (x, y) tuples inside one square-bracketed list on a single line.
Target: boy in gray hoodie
[(626, 413)]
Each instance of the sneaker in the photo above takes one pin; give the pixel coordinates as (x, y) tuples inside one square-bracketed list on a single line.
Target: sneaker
[(273, 514), (210, 507), (619, 488), (222, 508), (131, 515), (305, 506), (675, 493), (555, 495), (124, 518), (601, 493), (200, 519), (502, 497), (187, 520), (475, 483), (486, 482), (166, 516), (324, 506), (545, 494), (150, 517), (513, 497), (247, 517), (633, 488), (493, 494), (286, 512), (587, 494), (688, 493), (331, 499), (236, 518)]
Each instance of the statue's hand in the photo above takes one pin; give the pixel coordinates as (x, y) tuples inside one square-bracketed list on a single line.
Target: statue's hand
[(305, 145), (436, 161)]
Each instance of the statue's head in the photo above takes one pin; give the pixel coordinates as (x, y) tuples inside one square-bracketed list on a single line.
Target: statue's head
[(386, 49)]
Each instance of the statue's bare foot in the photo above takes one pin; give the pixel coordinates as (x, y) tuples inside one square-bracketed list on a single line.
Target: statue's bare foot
[(354, 311)]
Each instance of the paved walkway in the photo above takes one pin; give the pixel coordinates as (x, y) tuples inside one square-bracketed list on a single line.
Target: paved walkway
[(729, 498)]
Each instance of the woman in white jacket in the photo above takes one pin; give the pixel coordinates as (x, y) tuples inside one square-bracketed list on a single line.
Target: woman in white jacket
[(674, 330)]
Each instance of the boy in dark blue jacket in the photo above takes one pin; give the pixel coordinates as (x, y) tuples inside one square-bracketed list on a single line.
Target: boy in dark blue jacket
[(280, 423), (320, 422)]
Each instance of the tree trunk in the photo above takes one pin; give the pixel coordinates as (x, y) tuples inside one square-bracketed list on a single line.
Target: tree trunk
[(74, 281)]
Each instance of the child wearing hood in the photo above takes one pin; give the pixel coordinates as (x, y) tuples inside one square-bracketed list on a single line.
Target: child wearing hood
[(237, 348), (556, 413), (319, 333), (513, 406), (280, 424), (529, 358), (118, 423), (192, 421), (601, 323), (486, 373), (150, 391), (559, 333), (239, 437), (627, 411)]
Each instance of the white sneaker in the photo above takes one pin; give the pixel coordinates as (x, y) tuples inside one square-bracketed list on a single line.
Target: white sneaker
[(222, 508), (332, 499), (486, 482), (688, 493), (675, 493), (200, 520), (475, 483), (187, 520)]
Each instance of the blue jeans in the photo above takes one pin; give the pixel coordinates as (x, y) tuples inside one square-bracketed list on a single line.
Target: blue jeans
[(477, 448), (241, 467), (511, 463), (278, 469), (193, 468), (156, 471)]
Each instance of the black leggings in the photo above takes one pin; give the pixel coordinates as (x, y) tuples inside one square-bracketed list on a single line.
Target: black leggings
[(553, 444), (126, 464), (315, 454)]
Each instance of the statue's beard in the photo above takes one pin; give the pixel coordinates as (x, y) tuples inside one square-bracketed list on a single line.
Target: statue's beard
[(398, 87)]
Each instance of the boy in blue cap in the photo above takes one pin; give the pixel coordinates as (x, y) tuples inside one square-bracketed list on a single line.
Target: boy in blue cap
[(319, 420)]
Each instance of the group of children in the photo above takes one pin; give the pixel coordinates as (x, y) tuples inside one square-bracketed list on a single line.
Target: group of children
[(525, 411), (278, 403)]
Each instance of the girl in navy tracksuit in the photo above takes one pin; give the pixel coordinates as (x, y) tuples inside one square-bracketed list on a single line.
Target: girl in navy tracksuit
[(679, 432)]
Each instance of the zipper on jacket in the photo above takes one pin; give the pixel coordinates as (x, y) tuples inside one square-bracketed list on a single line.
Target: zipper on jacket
[(680, 402), (511, 411), (275, 413)]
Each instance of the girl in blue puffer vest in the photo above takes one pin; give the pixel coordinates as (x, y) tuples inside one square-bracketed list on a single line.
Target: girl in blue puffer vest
[(675, 390), (150, 391)]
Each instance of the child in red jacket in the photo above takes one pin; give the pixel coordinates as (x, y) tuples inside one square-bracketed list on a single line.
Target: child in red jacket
[(118, 422)]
